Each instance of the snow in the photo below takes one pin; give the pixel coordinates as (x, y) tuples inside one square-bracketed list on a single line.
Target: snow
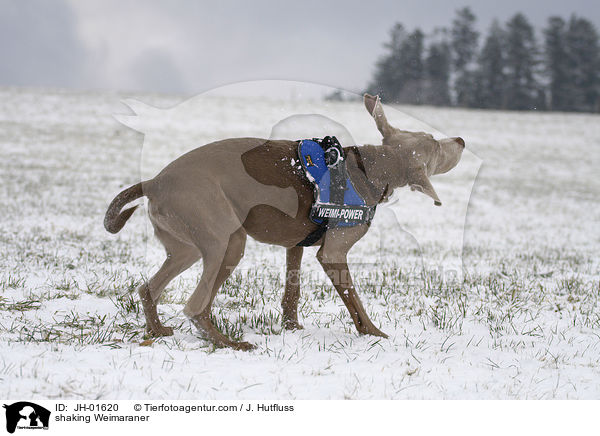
[(521, 210)]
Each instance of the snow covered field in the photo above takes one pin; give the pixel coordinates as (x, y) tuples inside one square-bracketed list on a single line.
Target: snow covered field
[(523, 322)]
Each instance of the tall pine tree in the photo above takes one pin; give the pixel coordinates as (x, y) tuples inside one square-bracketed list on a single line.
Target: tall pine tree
[(387, 80), (464, 50), (557, 65), (399, 74), (412, 69), (491, 75), (584, 59), (522, 89), (437, 74)]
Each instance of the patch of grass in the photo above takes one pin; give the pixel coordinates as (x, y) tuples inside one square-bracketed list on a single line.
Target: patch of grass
[(12, 281), (231, 329), (20, 306), (127, 304), (75, 329)]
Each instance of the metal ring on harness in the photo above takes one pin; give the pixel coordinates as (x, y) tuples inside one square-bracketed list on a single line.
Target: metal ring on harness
[(332, 156)]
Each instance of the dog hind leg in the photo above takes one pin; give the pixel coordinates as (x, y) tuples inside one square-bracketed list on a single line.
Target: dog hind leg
[(219, 263), (180, 256)]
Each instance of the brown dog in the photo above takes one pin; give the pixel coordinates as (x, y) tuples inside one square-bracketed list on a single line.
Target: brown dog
[(205, 204)]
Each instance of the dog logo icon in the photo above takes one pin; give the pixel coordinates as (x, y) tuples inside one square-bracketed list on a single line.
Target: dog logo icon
[(26, 415)]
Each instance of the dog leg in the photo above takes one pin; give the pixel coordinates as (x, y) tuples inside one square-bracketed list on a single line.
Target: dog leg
[(339, 274), (153, 325), (218, 265), (208, 330), (180, 257), (150, 292), (289, 303)]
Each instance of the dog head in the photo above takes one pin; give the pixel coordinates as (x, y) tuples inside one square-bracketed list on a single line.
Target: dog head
[(421, 155)]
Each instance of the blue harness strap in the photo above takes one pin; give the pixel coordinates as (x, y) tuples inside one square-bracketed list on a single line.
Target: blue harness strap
[(336, 202)]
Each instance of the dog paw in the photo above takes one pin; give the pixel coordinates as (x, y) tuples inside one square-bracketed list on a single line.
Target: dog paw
[(292, 325), (160, 331), (243, 346), (373, 331)]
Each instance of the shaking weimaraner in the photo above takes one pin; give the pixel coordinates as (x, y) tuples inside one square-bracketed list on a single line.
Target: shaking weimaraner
[(206, 203)]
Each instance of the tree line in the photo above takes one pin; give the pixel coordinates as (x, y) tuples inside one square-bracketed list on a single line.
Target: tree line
[(509, 70)]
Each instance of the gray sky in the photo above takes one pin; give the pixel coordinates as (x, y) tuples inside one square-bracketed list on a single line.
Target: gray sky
[(191, 46)]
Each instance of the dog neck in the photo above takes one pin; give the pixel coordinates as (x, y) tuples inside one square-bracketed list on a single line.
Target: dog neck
[(376, 170)]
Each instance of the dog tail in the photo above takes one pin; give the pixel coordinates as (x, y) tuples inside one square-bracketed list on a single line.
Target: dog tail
[(114, 220)]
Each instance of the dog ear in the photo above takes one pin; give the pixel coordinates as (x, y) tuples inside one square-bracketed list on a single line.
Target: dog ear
[(418, 181), (373, 105)]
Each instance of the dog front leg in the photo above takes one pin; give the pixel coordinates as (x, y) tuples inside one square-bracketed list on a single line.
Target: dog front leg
[(339, 274), (289, 303)]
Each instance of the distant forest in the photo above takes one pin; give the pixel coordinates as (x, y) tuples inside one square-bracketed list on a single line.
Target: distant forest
[(510, 68)]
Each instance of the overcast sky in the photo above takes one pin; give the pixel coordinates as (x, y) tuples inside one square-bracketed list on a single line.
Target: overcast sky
[(191, 46)]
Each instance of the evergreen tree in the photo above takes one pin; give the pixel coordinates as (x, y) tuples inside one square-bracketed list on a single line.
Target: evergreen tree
[(505, 74), (437, 74), (557, 64), (399, 73), (523, 91), (584, 59), (411, 69), (464, 50), (387, 80), (491, 76)]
